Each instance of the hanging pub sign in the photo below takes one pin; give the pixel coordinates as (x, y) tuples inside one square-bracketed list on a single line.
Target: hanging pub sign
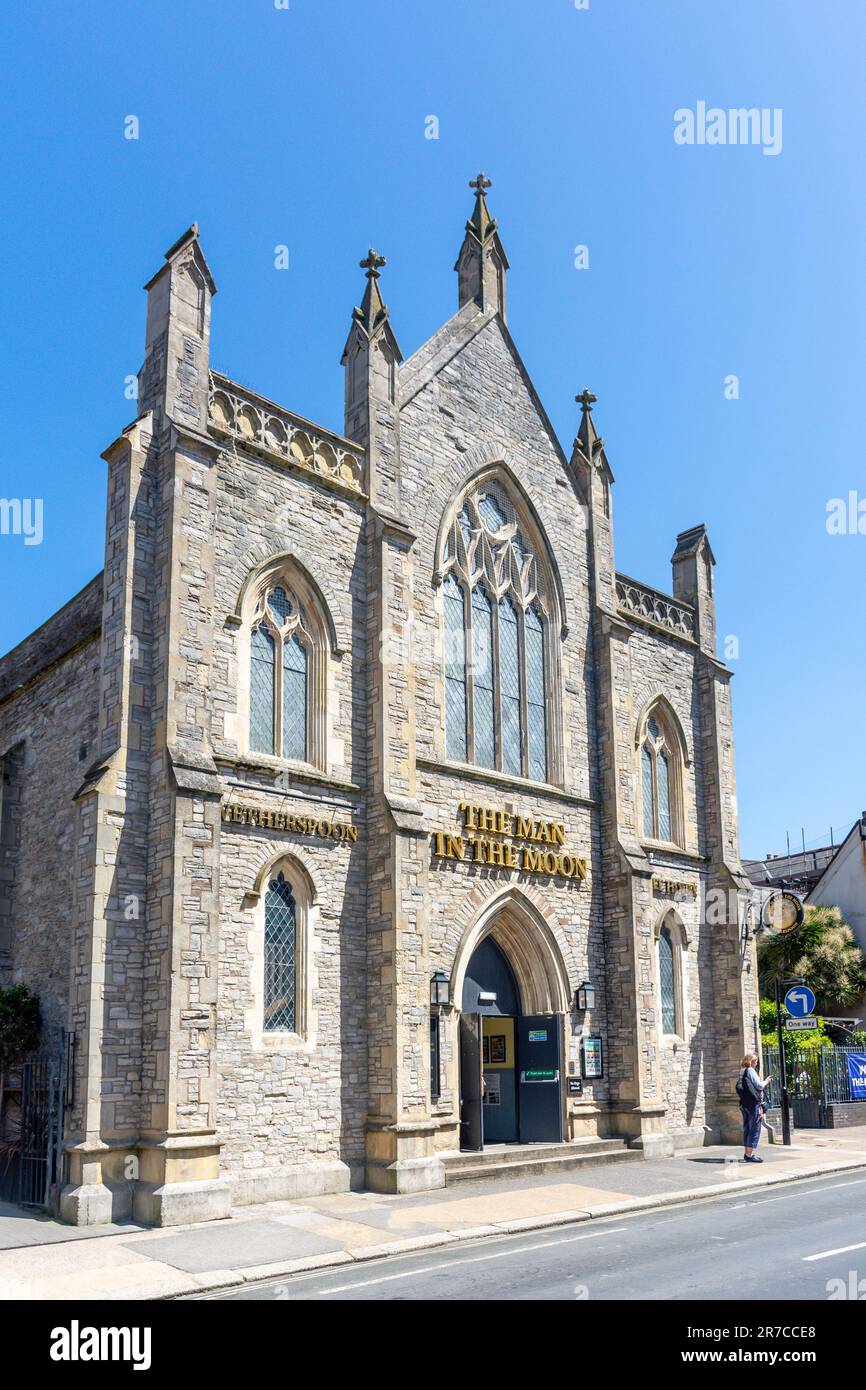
[(782, 911), (592, 1057)]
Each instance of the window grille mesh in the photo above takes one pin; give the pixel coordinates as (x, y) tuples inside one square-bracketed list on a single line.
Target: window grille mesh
[(455, 671), (667, 982), (278, 602), (294, 700), (280, 951), (536, 729), (664, 783), (482, 679), (648, 809), (262, 691), (509, 672)]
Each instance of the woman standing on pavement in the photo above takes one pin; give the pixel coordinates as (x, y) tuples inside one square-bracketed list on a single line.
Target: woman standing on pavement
[(750, 1089)]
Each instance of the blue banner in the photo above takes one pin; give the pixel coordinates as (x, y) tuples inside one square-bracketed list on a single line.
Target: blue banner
[(857, 1074)]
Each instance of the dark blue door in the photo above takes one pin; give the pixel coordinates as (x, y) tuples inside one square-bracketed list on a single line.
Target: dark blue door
[(539, 1069)]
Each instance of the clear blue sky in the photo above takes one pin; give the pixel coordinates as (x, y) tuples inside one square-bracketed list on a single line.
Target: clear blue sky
[(306, 127)]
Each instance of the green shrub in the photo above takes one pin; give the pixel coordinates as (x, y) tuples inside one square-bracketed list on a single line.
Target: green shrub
[(20, 1023)]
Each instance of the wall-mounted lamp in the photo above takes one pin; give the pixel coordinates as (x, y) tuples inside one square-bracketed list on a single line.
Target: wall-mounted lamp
[(584, 996), (440, 990)]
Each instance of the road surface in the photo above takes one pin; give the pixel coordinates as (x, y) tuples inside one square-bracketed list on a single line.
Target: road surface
[(785, 1242)]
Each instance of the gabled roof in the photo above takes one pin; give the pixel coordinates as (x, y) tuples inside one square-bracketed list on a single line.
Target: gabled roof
[(450, 340)]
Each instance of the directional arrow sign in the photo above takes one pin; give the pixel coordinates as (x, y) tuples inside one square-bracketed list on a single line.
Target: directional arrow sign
[(799, 1001)]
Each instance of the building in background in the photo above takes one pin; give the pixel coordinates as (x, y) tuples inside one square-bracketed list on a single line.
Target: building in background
[(842, 882)]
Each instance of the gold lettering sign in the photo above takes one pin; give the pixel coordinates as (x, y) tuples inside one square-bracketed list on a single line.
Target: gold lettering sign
[(319, 827), (672, 885), (544, 854)]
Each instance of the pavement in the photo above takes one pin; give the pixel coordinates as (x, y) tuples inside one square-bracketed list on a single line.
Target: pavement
[(41, 1258)]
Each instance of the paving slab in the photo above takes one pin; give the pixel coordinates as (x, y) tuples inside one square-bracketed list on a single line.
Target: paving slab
[(219, 1245)]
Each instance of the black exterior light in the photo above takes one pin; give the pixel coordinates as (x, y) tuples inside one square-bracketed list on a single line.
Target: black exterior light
[(585, 996), (440, 990)]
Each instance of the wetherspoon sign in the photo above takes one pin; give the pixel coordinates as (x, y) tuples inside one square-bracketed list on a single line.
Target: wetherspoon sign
[(501, 840)]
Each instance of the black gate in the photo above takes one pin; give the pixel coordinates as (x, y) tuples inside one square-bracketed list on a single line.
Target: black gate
[(33, 1159)]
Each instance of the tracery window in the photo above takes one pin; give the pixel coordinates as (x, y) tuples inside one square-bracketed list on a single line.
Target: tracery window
[(498, 632), (659, 781), (280, 647), (281, 944)]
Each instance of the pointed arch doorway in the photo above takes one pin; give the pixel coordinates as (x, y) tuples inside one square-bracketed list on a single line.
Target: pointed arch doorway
[(510, 1061)]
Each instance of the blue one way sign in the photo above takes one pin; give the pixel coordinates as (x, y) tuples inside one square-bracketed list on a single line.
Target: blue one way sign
[(800, 1001)]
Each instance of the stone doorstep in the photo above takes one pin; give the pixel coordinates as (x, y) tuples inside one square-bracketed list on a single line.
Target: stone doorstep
[(223, 1279), (529, 1160)]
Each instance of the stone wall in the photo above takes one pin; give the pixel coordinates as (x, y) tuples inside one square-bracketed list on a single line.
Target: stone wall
[(48, 726)]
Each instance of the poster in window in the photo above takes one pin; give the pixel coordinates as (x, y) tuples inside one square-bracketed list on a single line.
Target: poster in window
[(497, 1047)]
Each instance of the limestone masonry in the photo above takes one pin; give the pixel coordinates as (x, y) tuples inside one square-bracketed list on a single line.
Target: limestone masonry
[(356, 763)]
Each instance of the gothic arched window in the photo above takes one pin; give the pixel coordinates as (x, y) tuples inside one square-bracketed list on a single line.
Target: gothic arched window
[(281, 945), (667, 982), (660, 778), (671, 948), (283, 654), (279, 660), (498, 627)]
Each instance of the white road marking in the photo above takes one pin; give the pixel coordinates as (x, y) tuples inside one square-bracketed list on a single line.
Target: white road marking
[(790, 1196), (475, 1259), (842, 1250)]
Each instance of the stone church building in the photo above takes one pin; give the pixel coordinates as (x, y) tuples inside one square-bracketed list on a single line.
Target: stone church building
[(360, 814)]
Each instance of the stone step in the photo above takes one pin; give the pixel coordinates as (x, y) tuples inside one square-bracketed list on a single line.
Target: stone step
[(519, 1161)]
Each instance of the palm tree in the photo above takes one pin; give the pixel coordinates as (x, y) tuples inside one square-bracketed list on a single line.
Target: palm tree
[(823, 951)]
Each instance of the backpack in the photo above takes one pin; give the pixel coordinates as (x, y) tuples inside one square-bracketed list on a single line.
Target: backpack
[(745, 1093)]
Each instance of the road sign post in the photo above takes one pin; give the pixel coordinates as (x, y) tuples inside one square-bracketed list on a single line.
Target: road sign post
[(783, 1071)]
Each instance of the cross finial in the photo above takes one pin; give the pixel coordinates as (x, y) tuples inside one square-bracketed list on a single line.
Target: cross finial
[(372, 263), (481, 184), (586, 400)]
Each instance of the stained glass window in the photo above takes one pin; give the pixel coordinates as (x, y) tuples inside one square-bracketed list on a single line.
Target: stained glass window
[(294, 699), (262, 668), (482, 679), (455, 671), (667, 982), (664, 781), (497, 612), (280, 956), (535, 697), (658, 771), (278, 602), (491, 512), (509, 684), (648, 799), (280, 648)]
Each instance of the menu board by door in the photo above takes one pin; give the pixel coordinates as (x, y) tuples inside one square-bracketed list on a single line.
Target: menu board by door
[(592, 1057)]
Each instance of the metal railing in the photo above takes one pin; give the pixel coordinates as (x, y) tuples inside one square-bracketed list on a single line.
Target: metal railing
[(817, 1077)]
